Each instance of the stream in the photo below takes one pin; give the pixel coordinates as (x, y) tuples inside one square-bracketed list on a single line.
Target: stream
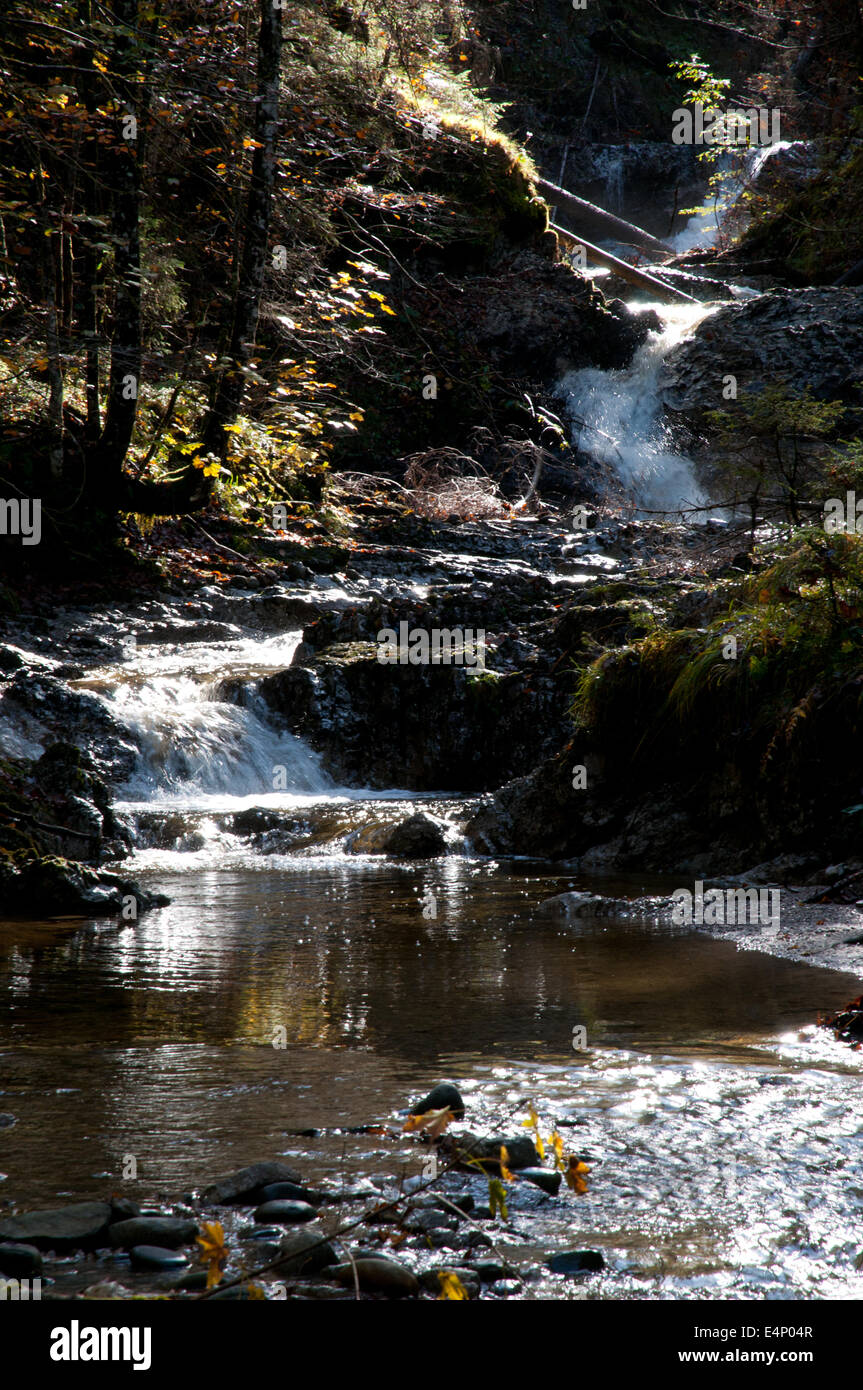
[(721, 1127)]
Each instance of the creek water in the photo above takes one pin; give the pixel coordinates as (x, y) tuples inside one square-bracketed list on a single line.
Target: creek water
[(722, 1131)]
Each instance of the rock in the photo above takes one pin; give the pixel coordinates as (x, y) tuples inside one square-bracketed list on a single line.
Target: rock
[(417, 837), (291, 1192), (490, 1271), (18, 1260), (424, 1221), (435, 727), (305, 1253), (520, 1149), (81, 1226), (567, 905), (805, 337), (286, 1213), (123, 1208), (156, 1257), (36, 886), (166, 1231), (545, 1178), (7, 1120), (441, 1096), (378, 1275), (245, 1186), (576, 1262), (194, 1281), (106, 1289)]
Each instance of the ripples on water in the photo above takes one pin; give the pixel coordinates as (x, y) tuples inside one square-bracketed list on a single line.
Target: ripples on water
[(724, 1143)]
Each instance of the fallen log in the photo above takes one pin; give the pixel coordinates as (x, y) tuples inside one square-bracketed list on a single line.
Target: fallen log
[(584, 213), (628, 272)]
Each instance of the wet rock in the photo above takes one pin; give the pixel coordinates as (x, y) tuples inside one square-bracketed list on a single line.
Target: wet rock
[(444, 1095), (805, 337), (7, 1120), (305, 1252), (123, 1209), (376, 1274), (19, 1260), (432, 727), (520, 1149), (46, 711), (245, 1186), (156, 1257), (490, 1271), (35, 886), (194, 1281), (423, 1221), (291, 1192), (544, 1178), (417, 837), (167, 1231), (285, 1213), (576, 1262), (81, 1226)]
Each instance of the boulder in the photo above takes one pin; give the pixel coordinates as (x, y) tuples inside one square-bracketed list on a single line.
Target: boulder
[(440, 1096), (156, 1257), (165, 1231), (576, 1262), (285, 1213), (81, 1226), (377, 1275), (305, 1252), (18, 1261), (244, 1187)]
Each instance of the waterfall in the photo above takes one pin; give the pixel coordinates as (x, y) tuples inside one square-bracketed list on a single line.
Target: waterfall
[(197, 746), (617, 418)]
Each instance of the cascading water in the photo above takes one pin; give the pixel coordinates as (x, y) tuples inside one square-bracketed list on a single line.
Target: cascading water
[(616, 417), (198, 748)]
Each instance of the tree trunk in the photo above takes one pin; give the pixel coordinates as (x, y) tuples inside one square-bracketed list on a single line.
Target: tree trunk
[(229, 391), (105, 469)]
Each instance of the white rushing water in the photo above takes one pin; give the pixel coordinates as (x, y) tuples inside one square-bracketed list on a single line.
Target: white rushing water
[(197, 747), (617, 417)]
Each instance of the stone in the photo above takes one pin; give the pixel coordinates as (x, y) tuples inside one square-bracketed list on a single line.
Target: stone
[(81, 1226), (18, 1260), (156, 1257), (193, 1281), (544, 1178), (291, 1192), (576, 1262), (520, 1149), (441, 1096), (305, 1252), (244, 1187), (166, 1231), (417, 837), (377, 1275), (285, 1213)]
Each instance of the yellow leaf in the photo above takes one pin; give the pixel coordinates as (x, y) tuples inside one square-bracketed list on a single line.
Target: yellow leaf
[(255, 1291), (557, 1144), (213, 1250), (497, 1198), (574, 1176), (504, 1160), (451, 1286)]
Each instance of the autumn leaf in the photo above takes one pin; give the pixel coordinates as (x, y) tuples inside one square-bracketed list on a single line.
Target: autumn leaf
[(451, 1286), (504, 1160), (213, 1250), (532, 1122), (497, 1198), (574, 1175), (434, 1122), (557, 1144), (253, 1291)]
